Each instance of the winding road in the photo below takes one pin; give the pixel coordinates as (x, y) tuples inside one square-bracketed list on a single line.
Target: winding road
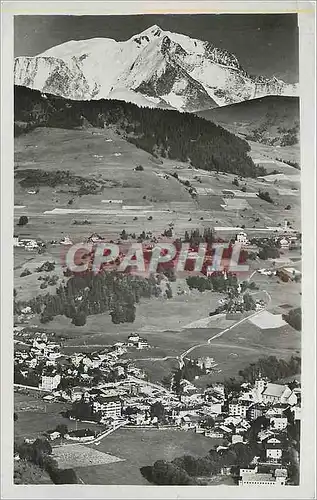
[(180, 358)]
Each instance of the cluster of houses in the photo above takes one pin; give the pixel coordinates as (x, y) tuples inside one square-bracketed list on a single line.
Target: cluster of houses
[(129, 398), (40, 355), (27, 243), (40, 351)]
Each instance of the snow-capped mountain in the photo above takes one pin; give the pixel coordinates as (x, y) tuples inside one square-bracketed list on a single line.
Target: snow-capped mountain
[(155, 68)]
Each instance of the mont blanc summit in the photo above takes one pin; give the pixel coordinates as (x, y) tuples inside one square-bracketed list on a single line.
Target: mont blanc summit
[(154, 68)]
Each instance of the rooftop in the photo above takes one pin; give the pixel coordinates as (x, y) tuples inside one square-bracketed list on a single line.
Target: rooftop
[(249, 476), (276, 390)]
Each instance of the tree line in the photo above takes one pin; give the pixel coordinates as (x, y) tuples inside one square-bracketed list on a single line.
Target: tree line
[(87, 294)]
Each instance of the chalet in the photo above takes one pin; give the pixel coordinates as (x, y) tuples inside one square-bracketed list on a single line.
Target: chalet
[(285, 243), (206, 363), (242, 238), (54, 435), (94, 238), (278, 423), (142, 344), (273, 449), (133, 339)]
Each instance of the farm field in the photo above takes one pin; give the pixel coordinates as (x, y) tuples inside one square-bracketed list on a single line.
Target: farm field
[(142, 447)]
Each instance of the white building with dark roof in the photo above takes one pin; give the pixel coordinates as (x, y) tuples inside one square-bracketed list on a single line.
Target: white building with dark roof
[(110, 407)]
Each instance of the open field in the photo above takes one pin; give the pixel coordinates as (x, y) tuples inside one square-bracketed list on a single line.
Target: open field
[(141, 447), (35, 416), (78, 455), (268, 320), (152, 315)]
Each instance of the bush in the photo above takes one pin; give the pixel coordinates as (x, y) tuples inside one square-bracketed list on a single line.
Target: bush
[(235, 182), (25, 272), (269, 253), (64, 476), (265, 195), (79, 319), (46, 267), (166, 473), (23, 220), (294, 318)]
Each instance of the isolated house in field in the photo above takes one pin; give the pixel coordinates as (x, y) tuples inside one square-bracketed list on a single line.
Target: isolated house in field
[(30, 244), (242, 238), (94, 238), (66, 241), (133, 339), (285, 243), (54, 435)]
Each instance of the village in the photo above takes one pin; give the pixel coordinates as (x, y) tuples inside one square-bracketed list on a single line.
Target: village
[(104, 388)]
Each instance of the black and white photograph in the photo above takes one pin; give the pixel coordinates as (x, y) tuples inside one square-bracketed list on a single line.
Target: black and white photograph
[(157, 262)]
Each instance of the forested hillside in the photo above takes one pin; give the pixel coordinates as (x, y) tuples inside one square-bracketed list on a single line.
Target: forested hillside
[(179, 136)]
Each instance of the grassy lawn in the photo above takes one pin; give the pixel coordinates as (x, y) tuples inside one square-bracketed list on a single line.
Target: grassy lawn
[(140, 447)]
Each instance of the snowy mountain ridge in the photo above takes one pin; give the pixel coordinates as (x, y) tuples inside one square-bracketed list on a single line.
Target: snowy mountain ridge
[(155, 68)]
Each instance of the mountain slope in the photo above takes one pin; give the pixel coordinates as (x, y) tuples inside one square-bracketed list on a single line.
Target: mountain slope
[(165, 68), (165, 133), (270, 120)]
